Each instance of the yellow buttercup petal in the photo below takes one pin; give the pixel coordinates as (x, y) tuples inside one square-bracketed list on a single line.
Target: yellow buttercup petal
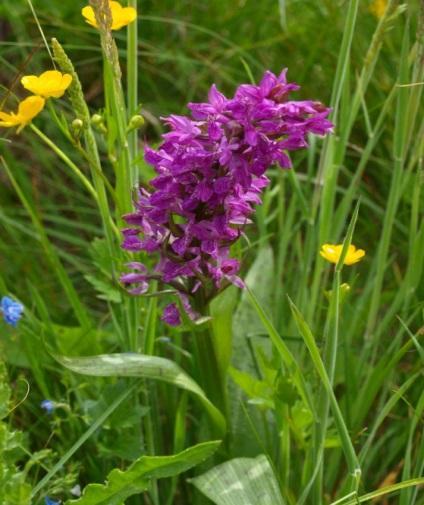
[(27, 110), (51, 83), (30, 107), (66, 80), (29, 81), (8, 120), (89, 16), (378, 7), (332, 253), (121, 16)]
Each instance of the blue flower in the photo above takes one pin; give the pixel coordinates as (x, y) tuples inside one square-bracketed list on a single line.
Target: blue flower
[(48, 406), (49, 501), (11, 309)]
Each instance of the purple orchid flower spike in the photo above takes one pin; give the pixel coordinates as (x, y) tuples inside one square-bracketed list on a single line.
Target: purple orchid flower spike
[(210, 175)]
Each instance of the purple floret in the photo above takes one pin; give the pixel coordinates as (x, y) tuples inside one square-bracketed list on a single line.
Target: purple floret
[(171, 315), (210, 175)]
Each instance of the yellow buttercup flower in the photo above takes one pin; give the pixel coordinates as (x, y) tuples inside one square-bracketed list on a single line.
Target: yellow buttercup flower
[(333, 252), (27, 111), (49, 84), (378, 7), (121, 16)]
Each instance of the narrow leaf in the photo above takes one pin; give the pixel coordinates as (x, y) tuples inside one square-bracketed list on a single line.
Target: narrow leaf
[(384, 491)]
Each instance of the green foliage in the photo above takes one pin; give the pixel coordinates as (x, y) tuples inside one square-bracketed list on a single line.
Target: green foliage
[(122, 484), (244, 480), (14, 487), (101, 279), (311, 381), (149, 367)]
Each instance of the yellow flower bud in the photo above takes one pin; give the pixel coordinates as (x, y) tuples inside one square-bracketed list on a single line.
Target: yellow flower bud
[(77, 126), (98, 123), (136, 122)]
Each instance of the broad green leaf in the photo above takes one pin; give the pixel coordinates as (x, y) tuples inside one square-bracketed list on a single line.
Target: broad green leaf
[(139, 365), (247, 329), (222, 310), (122, 484), (247, 481)]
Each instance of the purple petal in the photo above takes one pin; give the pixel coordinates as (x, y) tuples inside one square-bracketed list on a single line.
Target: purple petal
[(171, 315)]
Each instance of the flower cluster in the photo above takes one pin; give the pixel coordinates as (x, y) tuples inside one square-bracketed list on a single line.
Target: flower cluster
[(48, 405), (210, 174), (49, 84), (11, 310)]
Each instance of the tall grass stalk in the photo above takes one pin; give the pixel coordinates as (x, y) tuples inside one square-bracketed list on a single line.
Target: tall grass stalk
[(132, 91), (325, 190), (399, 153), (331, 342)]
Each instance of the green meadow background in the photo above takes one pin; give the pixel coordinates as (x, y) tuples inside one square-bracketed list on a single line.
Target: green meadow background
[(53, 259)]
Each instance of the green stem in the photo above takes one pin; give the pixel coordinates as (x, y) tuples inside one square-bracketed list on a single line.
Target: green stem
[(212, 381), (87, 184), (399, 154), (132, 89), (346, 443), (331, 339), (325, 191)]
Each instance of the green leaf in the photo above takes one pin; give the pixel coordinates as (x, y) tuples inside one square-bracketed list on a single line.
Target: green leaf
[(122, 484), (105, 288), (247, 481), (4, 392), (255, 389), (222, 310), (380, 492), (284, 352), (77, 340), (101, 278), (246, 345), (14, 490), (149, 367)]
